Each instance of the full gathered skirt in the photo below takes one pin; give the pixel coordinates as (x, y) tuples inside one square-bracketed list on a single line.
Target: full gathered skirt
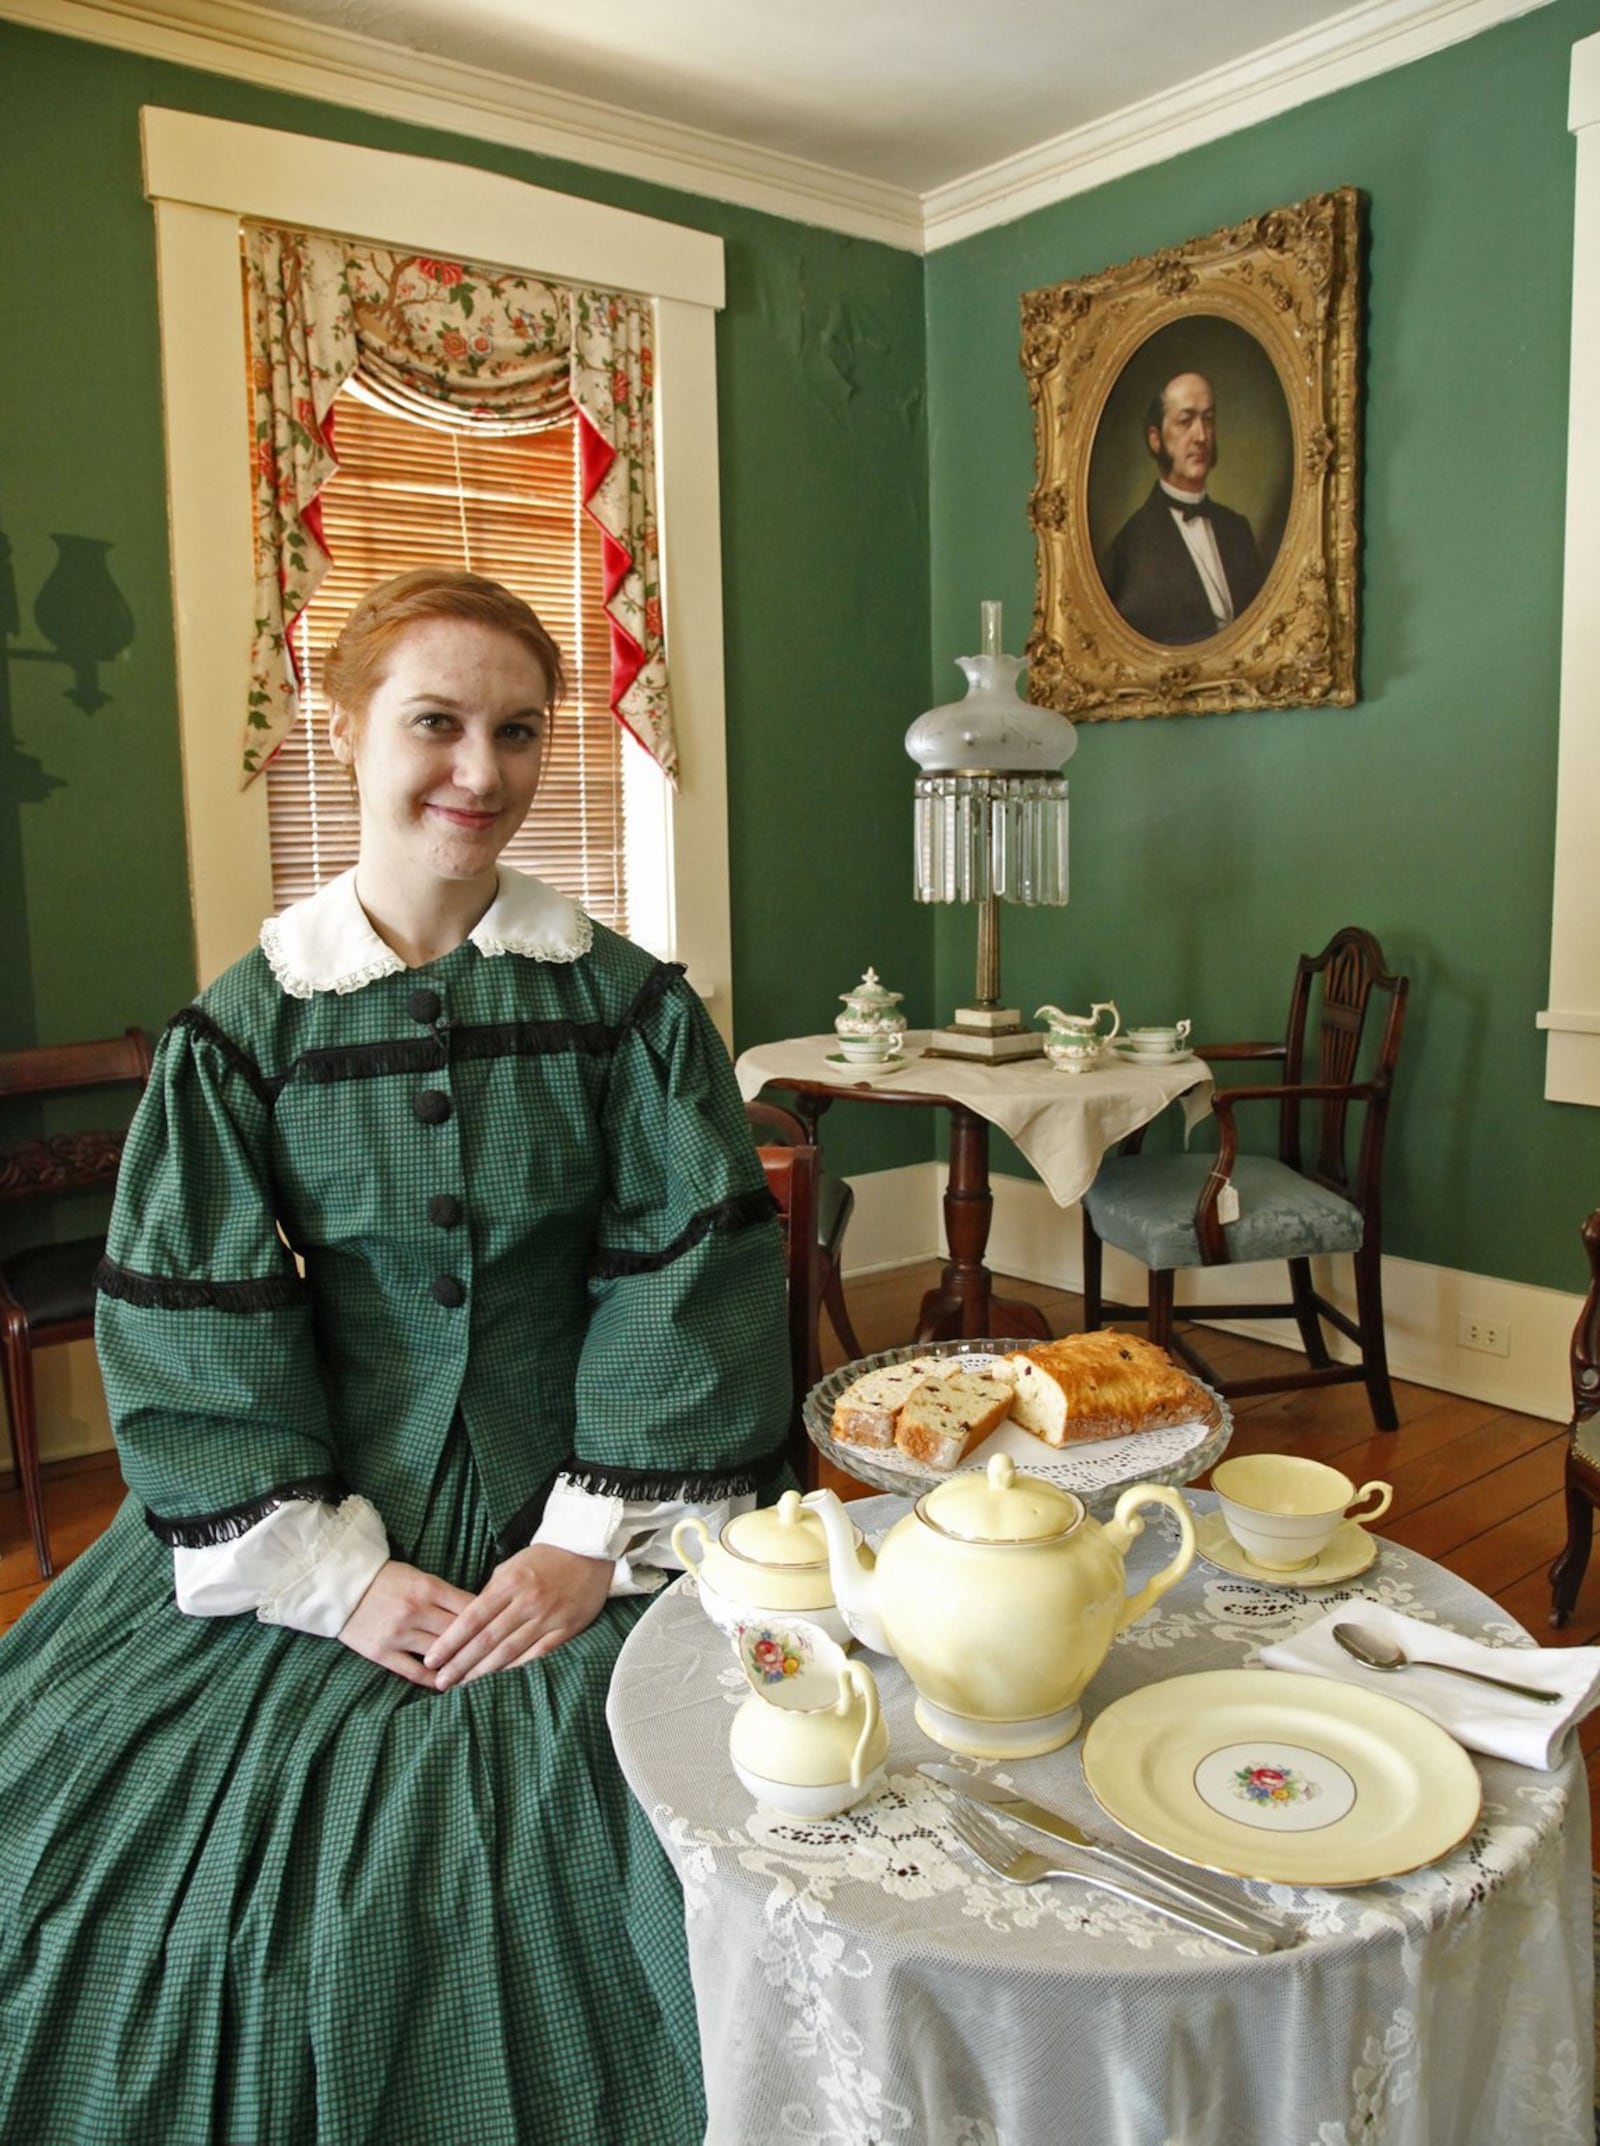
[(257, 1891)]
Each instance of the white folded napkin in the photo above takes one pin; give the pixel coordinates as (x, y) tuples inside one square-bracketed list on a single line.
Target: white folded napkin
[(1496, 1722)]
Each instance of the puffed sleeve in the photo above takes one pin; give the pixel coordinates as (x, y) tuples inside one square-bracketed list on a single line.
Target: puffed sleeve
[(203, 1325), (683, 1382)]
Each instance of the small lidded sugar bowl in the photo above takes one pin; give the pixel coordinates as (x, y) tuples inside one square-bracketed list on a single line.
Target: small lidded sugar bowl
[(870, 1028), (772, 1562)]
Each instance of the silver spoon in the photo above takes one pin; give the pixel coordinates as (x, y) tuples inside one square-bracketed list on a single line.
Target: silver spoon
[(1374, 1652)]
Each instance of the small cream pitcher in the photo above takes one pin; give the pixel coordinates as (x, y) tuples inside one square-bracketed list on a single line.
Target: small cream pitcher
[(810, 1740), (1073, 1041)]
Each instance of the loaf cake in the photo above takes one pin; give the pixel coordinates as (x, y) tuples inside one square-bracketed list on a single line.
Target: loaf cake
[(1100, 1385), (942, 1417)]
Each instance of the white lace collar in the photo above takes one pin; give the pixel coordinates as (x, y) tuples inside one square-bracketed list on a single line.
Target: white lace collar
[(327, 943)]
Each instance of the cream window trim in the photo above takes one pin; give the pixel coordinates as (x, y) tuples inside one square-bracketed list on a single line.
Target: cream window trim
[(201, 176), (1572, 1018)]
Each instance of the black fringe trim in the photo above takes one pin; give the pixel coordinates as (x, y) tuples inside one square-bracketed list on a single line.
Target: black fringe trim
[(608, 1265), (201, 1024), (694, 1486), (424, 1054), (654, 1487), (151, 1292), (207, 1530), (650, 994)]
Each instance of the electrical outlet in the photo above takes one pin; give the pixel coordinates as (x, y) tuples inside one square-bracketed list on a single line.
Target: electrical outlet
[(1493, 1336)]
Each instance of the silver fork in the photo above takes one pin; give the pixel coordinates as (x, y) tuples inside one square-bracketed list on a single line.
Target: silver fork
[(998, 1852)]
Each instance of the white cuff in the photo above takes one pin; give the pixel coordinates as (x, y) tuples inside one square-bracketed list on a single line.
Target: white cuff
[(306, 1565), (636, 1534)]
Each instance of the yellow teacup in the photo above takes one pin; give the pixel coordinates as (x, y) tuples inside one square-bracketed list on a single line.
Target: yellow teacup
[(1283, 1510)]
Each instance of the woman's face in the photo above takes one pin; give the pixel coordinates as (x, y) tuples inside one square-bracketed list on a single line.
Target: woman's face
[(449, 751)]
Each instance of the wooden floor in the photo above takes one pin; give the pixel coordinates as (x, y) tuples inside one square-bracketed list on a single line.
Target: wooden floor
[(1477, 1488)]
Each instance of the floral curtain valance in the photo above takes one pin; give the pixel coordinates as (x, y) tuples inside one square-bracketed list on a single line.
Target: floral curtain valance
[(484, 348)]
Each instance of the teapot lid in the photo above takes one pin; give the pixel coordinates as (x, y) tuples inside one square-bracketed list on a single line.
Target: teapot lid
[(1000, 1504), (781, 1534)]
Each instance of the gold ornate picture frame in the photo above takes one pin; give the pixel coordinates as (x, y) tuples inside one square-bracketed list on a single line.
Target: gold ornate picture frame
[(1260, 325)]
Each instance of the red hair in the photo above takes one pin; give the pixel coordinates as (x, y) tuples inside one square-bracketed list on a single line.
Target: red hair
[(356, 662)]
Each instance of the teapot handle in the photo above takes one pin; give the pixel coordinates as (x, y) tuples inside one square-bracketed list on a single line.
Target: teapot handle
[(856, 1682), (1107, 1006), (689, 1526), (1124, 1529)]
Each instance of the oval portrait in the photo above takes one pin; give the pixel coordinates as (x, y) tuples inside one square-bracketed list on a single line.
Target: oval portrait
[(1190, 476)]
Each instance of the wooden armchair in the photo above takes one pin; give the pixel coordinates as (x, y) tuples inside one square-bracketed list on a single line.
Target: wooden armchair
[(47, 1288), (1583, 1450), (1307, 1200), (793, 1168)]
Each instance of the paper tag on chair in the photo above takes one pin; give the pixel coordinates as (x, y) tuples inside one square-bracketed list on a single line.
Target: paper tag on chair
[(1227, 1205)]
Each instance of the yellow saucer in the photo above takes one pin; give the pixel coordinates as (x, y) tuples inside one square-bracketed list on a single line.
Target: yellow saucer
[(1352, 1550)]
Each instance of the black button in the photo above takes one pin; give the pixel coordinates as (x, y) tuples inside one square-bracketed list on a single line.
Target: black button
[(448, 1291), (444, 1209), (424, 1005), (432, 1106)]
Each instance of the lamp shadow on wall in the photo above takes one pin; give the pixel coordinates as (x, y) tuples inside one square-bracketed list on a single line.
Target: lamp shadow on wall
[(82, 615)]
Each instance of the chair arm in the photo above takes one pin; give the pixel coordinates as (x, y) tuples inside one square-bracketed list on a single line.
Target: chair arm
[(1238, 1050), (1208, 1226)]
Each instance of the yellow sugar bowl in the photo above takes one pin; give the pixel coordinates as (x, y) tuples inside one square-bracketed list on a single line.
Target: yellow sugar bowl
[(772, 1562)]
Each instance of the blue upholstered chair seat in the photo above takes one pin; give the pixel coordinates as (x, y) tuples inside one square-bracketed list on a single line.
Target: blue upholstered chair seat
[(1144, 1204)]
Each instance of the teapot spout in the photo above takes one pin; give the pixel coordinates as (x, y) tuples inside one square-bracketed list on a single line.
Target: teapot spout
[(851, 1571)]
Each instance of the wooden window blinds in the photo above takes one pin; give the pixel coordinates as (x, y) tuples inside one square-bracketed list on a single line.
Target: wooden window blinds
[(408, 494)]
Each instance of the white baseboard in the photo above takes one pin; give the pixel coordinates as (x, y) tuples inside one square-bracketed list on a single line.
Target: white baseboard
[(898, 1219)]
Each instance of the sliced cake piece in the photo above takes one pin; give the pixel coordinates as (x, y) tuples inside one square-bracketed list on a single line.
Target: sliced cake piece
[(944, 1416), (864, 1414)]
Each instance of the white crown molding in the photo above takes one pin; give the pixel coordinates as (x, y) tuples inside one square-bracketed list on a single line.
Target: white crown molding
[(337, 66), (1367, 40), (252, 44)]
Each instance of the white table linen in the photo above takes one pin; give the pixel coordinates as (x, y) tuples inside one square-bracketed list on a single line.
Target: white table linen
[(1062, 1122), (860, 1980)]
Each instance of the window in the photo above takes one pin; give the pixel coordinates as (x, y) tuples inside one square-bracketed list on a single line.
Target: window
[(410, 494), (204, 177)]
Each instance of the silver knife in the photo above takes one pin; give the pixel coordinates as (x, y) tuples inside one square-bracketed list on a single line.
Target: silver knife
[(1058, 1827)]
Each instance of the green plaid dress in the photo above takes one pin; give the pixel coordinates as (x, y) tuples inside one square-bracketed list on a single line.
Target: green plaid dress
[(255, 1890)]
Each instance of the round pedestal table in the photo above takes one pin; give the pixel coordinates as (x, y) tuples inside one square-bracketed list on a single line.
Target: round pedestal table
[(861, 1982)]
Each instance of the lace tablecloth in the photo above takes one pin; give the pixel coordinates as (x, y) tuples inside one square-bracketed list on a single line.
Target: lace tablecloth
[(861, 1983)]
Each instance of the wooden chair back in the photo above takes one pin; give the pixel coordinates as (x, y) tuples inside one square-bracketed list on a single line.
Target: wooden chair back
[(1331, 1027), (790, 1160), (67, 1162)]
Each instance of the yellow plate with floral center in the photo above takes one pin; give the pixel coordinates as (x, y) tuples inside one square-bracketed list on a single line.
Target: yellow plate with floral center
[(1260, 1773)]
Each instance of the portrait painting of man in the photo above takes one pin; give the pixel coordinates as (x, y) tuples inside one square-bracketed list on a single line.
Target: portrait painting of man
[(1197, 471), (1182, 564)]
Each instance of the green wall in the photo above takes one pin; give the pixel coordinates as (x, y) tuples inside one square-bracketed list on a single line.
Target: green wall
[(821, 372), (1208, 852)]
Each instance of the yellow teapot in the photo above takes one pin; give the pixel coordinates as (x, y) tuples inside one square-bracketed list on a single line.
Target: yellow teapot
[(1001, 1596)]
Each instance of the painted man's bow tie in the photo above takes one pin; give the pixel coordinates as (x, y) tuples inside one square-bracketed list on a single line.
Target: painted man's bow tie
[(1199, 509)]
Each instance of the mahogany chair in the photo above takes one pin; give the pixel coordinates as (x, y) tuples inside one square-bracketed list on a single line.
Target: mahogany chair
[(1583, 1450), (47, 1288), (835, 1205), (793, 1168), (1302, 1202)]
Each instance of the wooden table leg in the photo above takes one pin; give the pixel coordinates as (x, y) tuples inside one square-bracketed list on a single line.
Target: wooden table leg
[(963, 1307)]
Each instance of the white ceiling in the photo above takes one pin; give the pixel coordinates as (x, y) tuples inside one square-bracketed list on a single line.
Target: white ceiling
[(913, 94)]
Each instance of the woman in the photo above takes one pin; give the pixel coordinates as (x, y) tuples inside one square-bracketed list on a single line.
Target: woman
[(441, 1281)]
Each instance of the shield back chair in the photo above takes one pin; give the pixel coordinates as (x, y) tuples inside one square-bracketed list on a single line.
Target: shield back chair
[(1310, 1198), (47, 1288), (793, 1169), (1583, 1448), (835, 1205)]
